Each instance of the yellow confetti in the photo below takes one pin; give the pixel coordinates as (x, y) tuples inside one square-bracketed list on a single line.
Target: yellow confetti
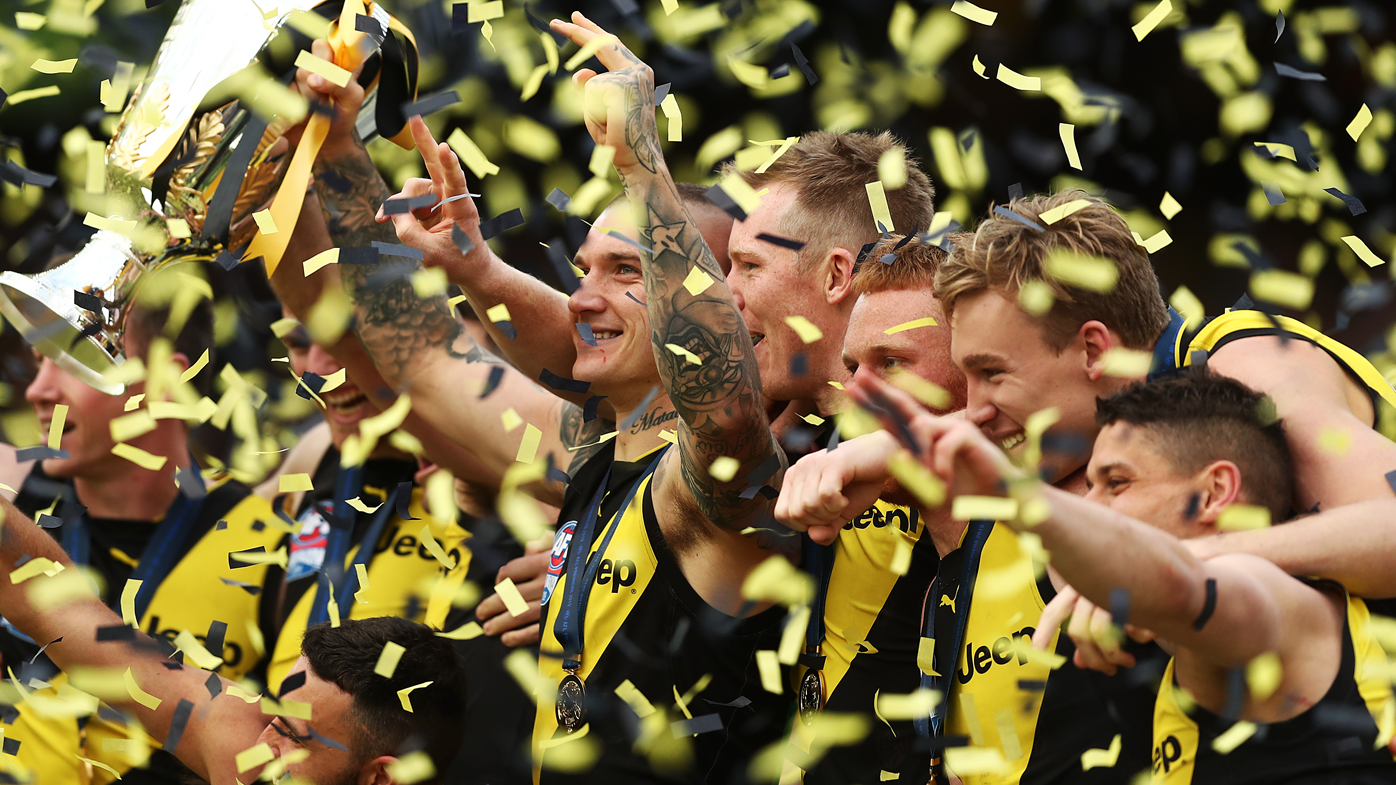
[(511, 419), (734, 186), (979, 67), (265, 223), (911, 325), (1360, 122), (139, 695), (36, 566), (974, 13), (967, 761), (484, 11), (925, 656), (402, 694), (1022, 646), (54, 66), (130, 426), (1076, 269), (925, 486), (468, 631), (1242, 517), (1158, 242), (891, 168), (785, 144), (55, 426), (1106, 758), (286, 708), (1282, 287), (1055, 214), (195, 652), (325, 69), (769, 666), (1169, 206), (915, 705), (498, 313), (1068, 135), (776, 580), (117, 225), (1018, 81), (586, 52), (793, 636), (29, 95), (1363, 252), (434, 548), (692, 358), (97, 170), (670, 6), (334, 380), (128, 601), (724, 468), (99, 764), (26, 20), (808, 332), (812, 419), (882, 215), (697, 281), (528, 446), (291, 483), (993, 508), (470, 154), (253, 756), (1263, 675), (414, 766), (1152, 19), (388, 659), (1234, 737), (637, 701), (321, 260), (1126, 363), (362, 572), (139, 457), (672, 113)]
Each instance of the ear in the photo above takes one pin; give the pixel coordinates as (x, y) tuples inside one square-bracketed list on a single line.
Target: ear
[(375, 771), (1095, 339), (1218, 487), (838, 276)]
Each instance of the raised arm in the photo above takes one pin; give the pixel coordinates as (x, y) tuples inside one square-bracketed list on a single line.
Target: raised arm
[(214, 730), (718, 397)]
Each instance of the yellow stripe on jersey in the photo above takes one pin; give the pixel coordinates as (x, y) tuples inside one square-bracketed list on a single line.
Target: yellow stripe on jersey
[(1175, 734), (1372, 671), (986, 703), (401, 568), (607, 610)]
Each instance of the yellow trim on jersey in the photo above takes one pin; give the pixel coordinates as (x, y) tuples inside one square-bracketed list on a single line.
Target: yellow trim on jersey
[(402, 569), (190, 598), (607, 610), (1372, 671), (1235, 321), (1176, 736)]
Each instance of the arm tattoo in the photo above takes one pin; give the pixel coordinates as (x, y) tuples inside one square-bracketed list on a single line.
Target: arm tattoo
[(394, 324), (576, 433)]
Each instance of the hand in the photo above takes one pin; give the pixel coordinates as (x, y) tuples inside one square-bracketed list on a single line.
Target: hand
[(343, 138), (618, 106), (1092, 631), (957, 451), (824, 490), (528, 572), (431, 230)]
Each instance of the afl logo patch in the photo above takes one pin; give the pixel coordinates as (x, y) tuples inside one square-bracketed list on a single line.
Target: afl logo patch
[(558, 561)]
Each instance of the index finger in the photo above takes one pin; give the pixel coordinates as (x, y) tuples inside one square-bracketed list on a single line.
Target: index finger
[(1056, 612), (582, 31), (426, 145)]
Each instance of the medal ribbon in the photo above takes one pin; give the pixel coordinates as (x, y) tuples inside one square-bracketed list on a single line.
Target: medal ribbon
[(332, 569), (819, 563)]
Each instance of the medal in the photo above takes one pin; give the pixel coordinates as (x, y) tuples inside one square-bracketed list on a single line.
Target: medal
[(811, 697), (571, 703)]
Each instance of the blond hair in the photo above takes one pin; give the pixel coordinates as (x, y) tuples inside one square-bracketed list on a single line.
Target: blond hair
[(829, 172), (914, 267), (1003, 254)]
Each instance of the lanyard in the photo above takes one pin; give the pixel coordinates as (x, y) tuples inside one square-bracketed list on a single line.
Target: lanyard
[(949, 629), (166, 547), (571, 618), (819, 563), (1165, 354), (332, 570)]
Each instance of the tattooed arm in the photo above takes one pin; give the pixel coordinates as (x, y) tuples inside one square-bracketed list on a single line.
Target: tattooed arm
[(719, 396)]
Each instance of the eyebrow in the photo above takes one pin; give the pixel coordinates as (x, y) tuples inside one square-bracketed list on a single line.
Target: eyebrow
[(295, 733), (610, 256), (981, 360)]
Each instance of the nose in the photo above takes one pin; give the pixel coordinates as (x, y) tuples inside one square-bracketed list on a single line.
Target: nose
[(319, 361), (587, 298), (734, 283), (1095, 493), (978, 408), (45, 387)]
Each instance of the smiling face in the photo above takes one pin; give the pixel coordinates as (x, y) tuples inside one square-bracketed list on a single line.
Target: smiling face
[(346, 405), (769, 283), (1012, 373), (332, 718), (923, 351), (1129, 475)]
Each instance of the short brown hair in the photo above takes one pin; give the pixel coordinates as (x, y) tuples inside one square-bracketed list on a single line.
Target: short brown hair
[(829, 172), (1003, 254), (914, 266)]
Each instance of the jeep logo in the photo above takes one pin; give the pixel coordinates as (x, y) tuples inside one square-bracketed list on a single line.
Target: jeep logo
[(980, 659), (906, 520), (1167, 754), (618, 573)]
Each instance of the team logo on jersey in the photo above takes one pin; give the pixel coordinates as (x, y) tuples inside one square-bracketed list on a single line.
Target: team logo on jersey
[(561, 540), (307, 549)]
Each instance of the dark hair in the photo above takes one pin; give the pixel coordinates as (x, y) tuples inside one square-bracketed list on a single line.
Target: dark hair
[(1198, 418), (346, 656)]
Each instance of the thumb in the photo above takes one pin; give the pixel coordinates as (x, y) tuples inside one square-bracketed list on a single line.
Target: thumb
[(825, 534), (407, 226)]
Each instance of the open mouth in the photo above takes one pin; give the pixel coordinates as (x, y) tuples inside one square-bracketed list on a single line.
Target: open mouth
[(344, 402), (1009, 442), (606, 335)]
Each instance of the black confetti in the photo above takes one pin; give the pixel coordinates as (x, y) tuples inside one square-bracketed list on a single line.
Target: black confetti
[(1007, 213), (660, 93), (1119, 606), (48, 521), (640, 409), (1295, 73), (491, 383), (430, 104), (636, 299), (703, 723), (1355, 206), (116, 632), (292, 682), (364, 23), (888, 258), (404, 497), (460, 17), (393, 249), (400, 206), (1391, 480), (803, 64), (191, 483), (14, 173), (799, 364), (1273, 194), (501, 223), (1209, 605), (334, 180), (720, 198), (584, 330), (214, 685), (462, 239), (556, 382), (564, 270), (217, 632), (235, 563), (1279, 25), (325, 740), (311, 382), (177, 723), (794, 245), (559, 199), (40, 453), (358, 255), (87, 302), (590, 407), (507, 327), (781, 71)]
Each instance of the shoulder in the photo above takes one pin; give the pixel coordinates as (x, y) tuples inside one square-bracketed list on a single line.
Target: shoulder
[(1294, 598), (1275, 366)]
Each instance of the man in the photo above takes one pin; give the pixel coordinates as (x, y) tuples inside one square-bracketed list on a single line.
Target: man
[(684, 572), (1178, 455), (358, 730), (166, 549)]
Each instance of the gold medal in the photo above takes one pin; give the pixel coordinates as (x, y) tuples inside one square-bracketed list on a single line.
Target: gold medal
[(811, 698), (571, 703)]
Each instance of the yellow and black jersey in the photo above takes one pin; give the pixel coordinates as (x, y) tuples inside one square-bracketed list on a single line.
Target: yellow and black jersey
[(1342, 738), (672, 690), (999, 696), (872, 621), (406, 580), (213, 596)]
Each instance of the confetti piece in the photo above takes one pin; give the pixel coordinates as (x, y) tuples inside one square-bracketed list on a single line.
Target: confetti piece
[(470, 154), (1360, 122), (98, 764), (807, 330), (402, 694), (1354, 205), (323, 68), (54, 66), (1234, 737), (586, 52), (1295, 73), (321, 260), (882, 215), (430, 104), (139, 695), (925, 656), (769, 666), (528, 446), (968, 761), (1282, 287), (128, 601), (724, 468), (697, 281), (1156, 243), (291, 483), (195, 651), (1126, 363), (26, 20), (1007, 213), (1055, 214), (979, 68), (434, 548), (465, 632), (1363, 252), (1243, 517), (1169, 206), (635, 699), (974, 13), (253, 756), (1106, 758), (414, 766), (992, 508), (891, 168), (498, 313), (1018, 81), (1151, 20), (915, 705), (1088, 272), (139, 457), (29, 95), (812, 419), (1068, 135), (358, 504), (1263, 675), (670, 107), (911, 325), (388, 659), (692, 358), (1023, 647), (117, 225), (55, 426)]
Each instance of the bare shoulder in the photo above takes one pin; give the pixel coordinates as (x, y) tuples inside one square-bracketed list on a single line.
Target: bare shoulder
[(1291, 369), (1302, 603)]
